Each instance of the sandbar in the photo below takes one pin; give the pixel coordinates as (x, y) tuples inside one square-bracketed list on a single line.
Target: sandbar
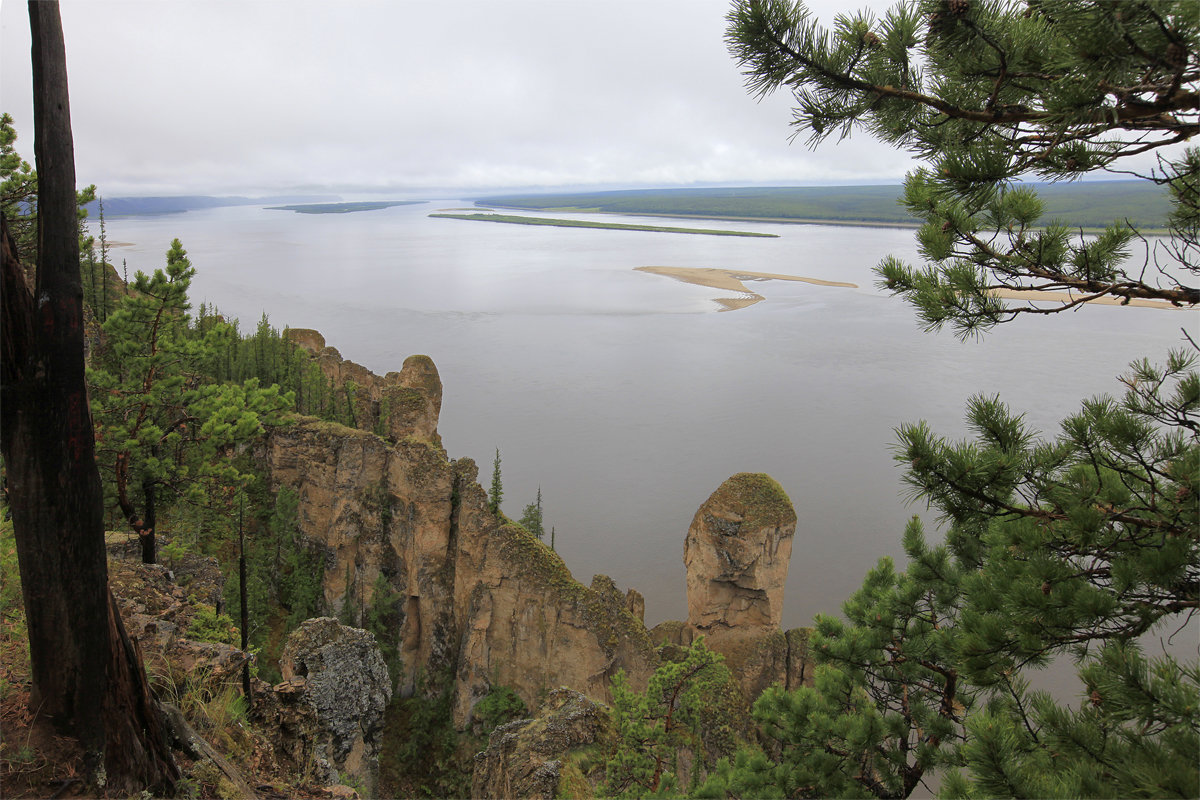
[(1067, 297), (731, 280)]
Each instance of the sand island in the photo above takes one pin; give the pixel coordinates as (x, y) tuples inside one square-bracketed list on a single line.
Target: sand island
[(731, 280)]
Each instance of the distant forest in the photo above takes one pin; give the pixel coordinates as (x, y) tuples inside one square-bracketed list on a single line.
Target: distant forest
[(1092, 204)]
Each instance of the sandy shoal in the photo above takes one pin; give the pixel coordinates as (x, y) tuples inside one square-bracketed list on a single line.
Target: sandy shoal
[(1067, 297), (731, 279)]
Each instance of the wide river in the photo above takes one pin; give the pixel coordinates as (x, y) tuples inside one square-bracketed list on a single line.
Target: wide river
[(629, 397)]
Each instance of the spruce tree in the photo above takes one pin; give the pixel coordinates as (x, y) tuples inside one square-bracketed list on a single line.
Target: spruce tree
[(531, 517), (496, 492)]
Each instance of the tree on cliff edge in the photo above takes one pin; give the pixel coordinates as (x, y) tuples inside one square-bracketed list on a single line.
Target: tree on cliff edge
[(1071, 546), (496, 492), (88, 677)]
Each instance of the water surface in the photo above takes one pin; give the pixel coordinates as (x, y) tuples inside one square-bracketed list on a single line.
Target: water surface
[(629, 397)]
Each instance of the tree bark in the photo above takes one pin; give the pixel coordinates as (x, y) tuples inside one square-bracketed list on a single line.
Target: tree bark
[(87, 677)]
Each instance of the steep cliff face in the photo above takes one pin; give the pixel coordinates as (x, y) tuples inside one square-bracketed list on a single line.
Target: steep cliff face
[(481, 599), (737, 553), (482, 602)]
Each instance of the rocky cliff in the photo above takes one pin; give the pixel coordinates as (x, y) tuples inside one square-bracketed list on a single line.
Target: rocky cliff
[(482, 601), (737, 552)]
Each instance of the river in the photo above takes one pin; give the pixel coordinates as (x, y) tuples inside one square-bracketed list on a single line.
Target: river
[(629, 397)]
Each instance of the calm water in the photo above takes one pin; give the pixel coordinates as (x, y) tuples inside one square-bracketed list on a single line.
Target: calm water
[(627, 396)]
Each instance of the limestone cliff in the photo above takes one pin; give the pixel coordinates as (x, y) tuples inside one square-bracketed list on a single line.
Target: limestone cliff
[(396, 405), (482, 600), (737, 554), (484, 603)]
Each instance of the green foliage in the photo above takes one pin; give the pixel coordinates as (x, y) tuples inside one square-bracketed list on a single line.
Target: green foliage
[(1073, 546), (421, 754), (383, 620), (496, 492), (299, 570), (497, 707), (887, 703), (18, 196), (655, 725), (985, 94), (531, 517), (161, 421), (209, 626)]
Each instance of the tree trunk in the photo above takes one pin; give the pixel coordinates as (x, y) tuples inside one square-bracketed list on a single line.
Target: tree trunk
[(87, 677), (149, 552)]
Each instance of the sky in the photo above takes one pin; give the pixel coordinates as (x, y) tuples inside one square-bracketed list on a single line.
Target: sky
[(417, 97)]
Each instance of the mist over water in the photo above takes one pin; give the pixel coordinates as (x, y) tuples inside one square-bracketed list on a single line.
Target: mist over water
[(629, 397)]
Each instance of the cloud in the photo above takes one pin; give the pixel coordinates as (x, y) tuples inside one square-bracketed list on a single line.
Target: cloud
[(267, 95)]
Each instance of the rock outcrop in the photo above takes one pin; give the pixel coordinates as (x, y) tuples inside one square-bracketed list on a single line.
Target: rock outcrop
[(481, 600), (482, 603), (537, 758), (397, 405), (335, 690), (737, 554)]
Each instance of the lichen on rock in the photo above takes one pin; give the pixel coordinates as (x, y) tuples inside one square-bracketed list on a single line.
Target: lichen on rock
[(528, 758), (338, 674)]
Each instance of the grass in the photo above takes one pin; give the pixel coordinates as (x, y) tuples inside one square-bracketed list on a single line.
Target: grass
[(579, 223)]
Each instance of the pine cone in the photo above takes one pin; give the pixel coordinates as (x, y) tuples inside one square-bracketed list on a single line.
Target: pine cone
[(958, 7), (871, 40)]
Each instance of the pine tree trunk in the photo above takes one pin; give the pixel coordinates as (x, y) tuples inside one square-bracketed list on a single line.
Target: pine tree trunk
[(87, 677), (149, 552)]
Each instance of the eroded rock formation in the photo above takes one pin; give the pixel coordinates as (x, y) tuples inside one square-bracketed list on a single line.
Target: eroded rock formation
[(534, 758), (482, 600), (337, 686), (737, 554), (397, 405)]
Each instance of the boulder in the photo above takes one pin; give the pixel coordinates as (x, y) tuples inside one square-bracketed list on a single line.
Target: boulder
[(544, 757), (337, 683), (737, 553)]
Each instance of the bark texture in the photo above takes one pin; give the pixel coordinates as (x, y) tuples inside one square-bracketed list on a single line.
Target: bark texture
[(87, 676)]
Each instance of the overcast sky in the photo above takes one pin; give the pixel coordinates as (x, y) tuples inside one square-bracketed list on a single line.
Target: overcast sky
[(261, 97)]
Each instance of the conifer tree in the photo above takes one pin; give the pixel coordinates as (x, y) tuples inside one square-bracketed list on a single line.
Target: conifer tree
[(531, 517), (160, 424), (1065, 547), (496, 492), (986, 92), (653, 726)]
